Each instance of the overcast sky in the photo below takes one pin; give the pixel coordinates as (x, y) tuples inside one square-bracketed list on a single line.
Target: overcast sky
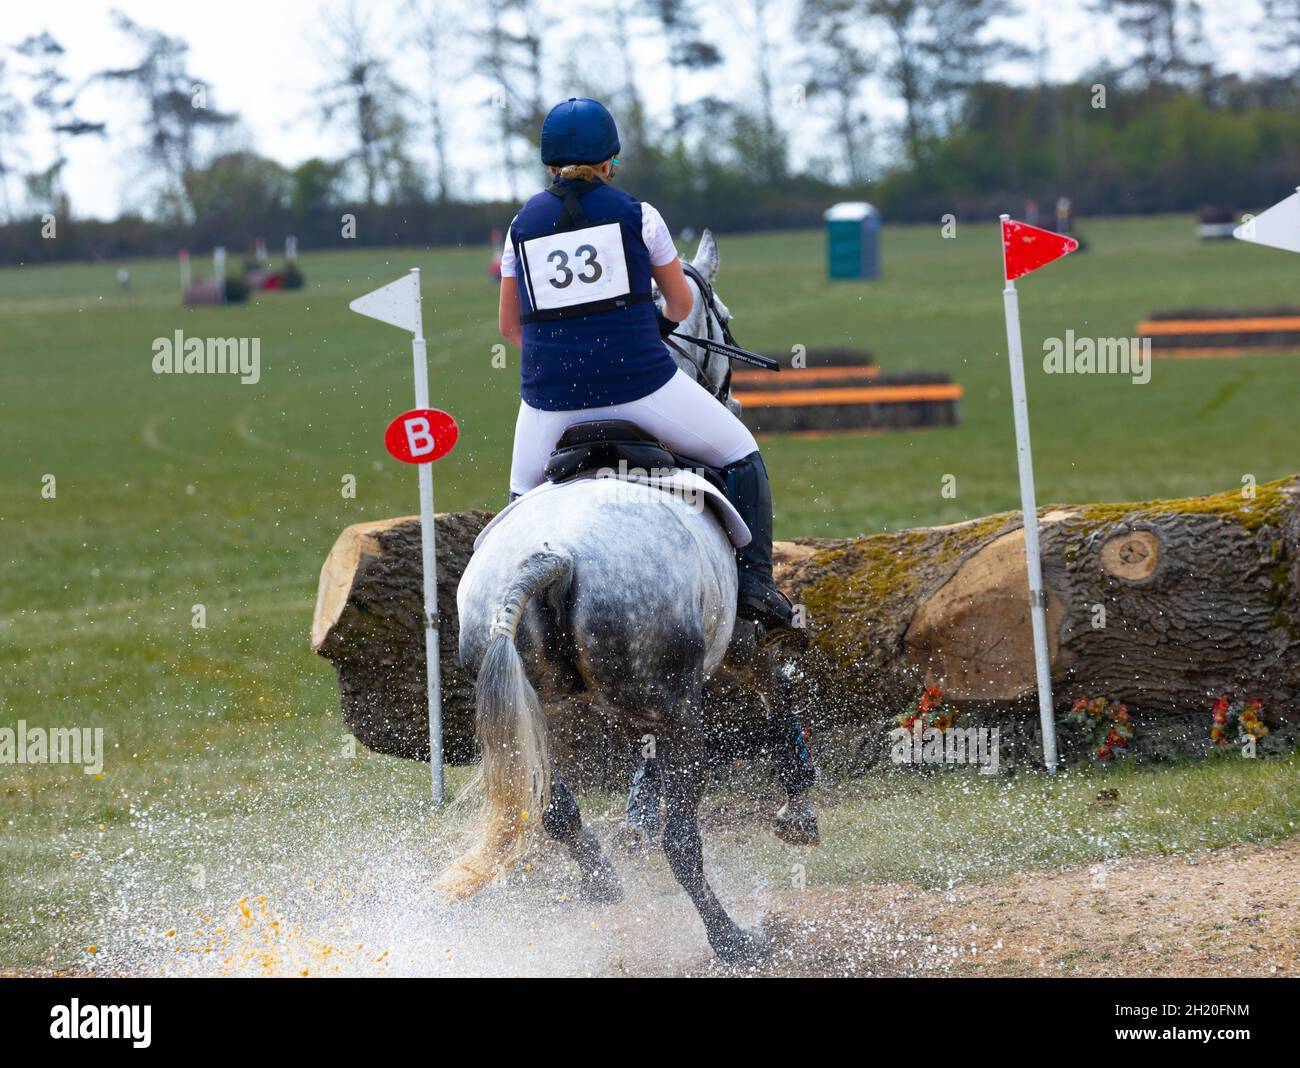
[(262, 58)]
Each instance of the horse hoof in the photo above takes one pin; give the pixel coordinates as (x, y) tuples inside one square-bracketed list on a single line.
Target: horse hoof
[(796, 824), (636, 840), (459, 883), (798, 834), (602, 887), (739, 946), (789, 641)]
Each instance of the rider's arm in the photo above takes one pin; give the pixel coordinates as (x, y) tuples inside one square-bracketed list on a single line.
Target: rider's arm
[(665, 268), (676, 290), (508, 310)]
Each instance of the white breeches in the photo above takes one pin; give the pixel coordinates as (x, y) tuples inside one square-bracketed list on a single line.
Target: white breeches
[(681, 413)]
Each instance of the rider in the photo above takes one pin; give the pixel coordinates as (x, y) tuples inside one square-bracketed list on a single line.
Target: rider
[(591, 335)]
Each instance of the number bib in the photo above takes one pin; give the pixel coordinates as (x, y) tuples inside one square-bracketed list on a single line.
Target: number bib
[(567, 270)]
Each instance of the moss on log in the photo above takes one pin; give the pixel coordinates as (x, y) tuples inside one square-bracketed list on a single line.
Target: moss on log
[(1162, 604)]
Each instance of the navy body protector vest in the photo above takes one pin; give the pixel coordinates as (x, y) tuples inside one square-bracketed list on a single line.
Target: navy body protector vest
[(573, 259), (590, 334)]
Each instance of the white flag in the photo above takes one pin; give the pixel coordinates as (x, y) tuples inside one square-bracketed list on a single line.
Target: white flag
[(1279, 227), (397, 303)]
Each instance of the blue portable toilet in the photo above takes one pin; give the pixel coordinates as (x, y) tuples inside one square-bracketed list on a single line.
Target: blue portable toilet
[(852, 240)]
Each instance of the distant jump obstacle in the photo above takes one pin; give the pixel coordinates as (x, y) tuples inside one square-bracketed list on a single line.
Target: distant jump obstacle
[(843, 391), (256, 276), (208, 290), (1216, 333)]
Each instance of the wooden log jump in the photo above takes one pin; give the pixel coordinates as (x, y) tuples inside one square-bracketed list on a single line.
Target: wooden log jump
[(1195, 597)]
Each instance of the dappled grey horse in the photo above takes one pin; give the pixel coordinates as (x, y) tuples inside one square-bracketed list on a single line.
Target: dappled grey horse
[(627, 593)]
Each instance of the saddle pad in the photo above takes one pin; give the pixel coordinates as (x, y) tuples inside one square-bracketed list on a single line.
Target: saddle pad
[(679, 482)]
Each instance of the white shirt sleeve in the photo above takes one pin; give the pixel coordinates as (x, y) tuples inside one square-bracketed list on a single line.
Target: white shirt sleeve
[(654, 232), (508, 253)]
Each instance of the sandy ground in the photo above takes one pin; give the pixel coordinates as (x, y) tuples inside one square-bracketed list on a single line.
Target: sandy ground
[(371, 911), (1232, 911)]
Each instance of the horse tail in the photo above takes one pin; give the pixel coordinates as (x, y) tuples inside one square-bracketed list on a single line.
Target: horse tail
[(515, 773)]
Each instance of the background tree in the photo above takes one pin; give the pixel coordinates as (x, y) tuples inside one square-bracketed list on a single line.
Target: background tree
[(513, 56), (630, 103), (687, 51), (55, 100), (838, 68), (177, 109), (903, 23), (11, 126), (939, 49), (435, 29), (960, 48), (965, 142), (315, 187), (363, 103), (238, 196), (770, 154), (529, 44), (1281, 33), (1169, 36), (496, 56)]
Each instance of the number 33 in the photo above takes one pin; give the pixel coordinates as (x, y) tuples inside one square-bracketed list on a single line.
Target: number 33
[(564, 275)]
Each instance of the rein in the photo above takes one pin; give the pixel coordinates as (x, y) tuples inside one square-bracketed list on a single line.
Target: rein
[(711, 314)]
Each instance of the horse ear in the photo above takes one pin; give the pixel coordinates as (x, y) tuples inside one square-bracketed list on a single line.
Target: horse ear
[(706, 256)]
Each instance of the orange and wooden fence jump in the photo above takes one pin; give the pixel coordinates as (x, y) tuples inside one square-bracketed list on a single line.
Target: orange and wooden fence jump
[(855, 398), (1210, 334)]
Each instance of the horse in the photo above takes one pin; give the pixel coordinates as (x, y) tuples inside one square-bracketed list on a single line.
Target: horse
[(709, 318), (627, 593)]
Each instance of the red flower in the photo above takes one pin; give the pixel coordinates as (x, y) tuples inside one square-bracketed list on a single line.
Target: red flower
[(1221, 705)]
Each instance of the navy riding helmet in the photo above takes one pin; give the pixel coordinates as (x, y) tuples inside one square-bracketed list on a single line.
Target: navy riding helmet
[(578, 131)]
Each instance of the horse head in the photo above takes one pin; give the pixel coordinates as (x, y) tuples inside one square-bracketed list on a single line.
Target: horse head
[(708, 318)]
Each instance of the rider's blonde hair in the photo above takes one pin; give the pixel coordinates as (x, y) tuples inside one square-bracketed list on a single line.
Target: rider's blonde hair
[(582, 172)]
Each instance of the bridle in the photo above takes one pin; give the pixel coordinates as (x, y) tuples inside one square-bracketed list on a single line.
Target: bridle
[(712, 315)]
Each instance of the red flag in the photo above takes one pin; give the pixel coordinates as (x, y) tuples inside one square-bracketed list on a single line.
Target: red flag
[(1025, 248)]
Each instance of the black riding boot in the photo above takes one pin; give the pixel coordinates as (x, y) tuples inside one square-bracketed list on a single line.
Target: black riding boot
[(750, 491)]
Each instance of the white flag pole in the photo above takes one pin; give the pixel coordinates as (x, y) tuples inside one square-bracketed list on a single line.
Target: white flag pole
[(398, 304), (1029, 508), (428, 553)]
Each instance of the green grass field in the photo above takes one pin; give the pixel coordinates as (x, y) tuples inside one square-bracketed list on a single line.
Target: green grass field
[(181, 490)]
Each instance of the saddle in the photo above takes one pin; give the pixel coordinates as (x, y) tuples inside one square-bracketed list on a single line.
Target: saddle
[(603, 443), (586, 448)]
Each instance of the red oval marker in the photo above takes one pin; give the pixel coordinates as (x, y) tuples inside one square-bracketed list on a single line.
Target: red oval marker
[(421, 435)]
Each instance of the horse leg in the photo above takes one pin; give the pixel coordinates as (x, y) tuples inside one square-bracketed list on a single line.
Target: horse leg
[(563, 822), (683, 769), (796, 820), (643, 805)]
